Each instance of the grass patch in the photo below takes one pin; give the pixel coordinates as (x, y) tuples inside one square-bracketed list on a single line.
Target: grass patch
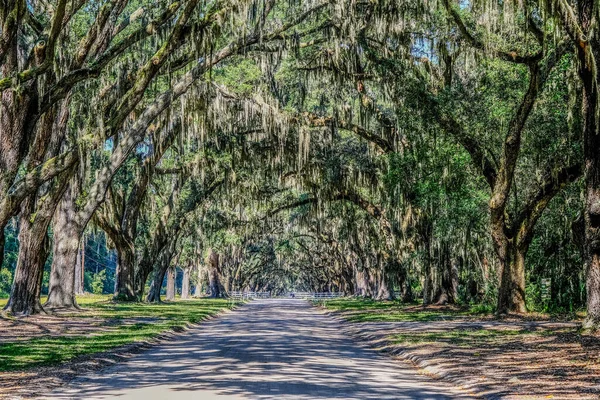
[(366, 310), (122, 323), (461, 337)]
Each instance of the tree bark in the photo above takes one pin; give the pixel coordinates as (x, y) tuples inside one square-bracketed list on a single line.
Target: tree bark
[(213, 274), (511, 293), (185, 283), (80, 269), (2, 244), (125, 276), (141, 276), (67, 234), (33, 251), (171, 274), (385, 287), (155, 286), (200, 275), (160, 269), (591, 138), (447, 278), (426, 232), (36, 214)]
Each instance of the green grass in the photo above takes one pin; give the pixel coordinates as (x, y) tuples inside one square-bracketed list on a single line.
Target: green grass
[(461, 337), (365, 310), (120, 324)]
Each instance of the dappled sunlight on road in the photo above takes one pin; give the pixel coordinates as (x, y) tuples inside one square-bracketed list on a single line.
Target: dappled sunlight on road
[(267, 349)]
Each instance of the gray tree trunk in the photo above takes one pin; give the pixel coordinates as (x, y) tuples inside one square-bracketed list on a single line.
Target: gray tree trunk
[(67, 233), (185, 284), (160, 269), (213, 274), (125, 277), (33, 251), (79, 269), (171, 275)]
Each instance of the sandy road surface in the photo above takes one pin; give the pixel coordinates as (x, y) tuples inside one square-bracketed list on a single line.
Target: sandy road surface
[(266, 349)]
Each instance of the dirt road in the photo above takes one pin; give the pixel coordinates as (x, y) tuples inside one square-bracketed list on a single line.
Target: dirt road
[(266, 349)]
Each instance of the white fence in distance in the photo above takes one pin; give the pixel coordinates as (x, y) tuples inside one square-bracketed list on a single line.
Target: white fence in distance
[(296, 295), (250, 295), (316, 295)]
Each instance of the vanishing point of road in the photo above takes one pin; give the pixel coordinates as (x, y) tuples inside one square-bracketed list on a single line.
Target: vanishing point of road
[(266, 349)]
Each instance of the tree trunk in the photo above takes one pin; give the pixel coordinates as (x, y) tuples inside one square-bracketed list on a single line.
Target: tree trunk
[(591, 138), (153, 295), (447, 282), (426, 232), (406, 293), (80, 269), (125, 276), (33, 251), (2, 244), (213, 274), (171, 275), (155, 286), (142, 272), (511, 293), (160, 269), (361, 287), (33, 244), (385, 287), (157, 280), (67, 233), (198, 283), (185, 283), (347, 281)]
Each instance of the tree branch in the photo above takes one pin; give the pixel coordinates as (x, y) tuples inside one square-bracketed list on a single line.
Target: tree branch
[(510, 56), (552, 183)]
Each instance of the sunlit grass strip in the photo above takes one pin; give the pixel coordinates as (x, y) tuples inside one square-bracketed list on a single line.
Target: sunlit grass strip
[(464, 337), (366, 310), (160, 319), (83, 300)]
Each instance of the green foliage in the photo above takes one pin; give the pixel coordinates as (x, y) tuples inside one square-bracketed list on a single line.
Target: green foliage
[(5, 282), (11, 248), (98, 281), (241, 75)]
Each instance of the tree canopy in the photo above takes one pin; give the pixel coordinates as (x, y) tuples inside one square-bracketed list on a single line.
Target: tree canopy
[(435, 150)]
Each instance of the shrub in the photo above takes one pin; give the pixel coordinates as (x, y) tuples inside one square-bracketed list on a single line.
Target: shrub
[(98, 282)]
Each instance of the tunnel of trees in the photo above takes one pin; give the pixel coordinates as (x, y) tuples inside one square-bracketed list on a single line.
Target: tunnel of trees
[(443, 151)]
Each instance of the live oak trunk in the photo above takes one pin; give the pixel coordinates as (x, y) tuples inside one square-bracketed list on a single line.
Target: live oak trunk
[(171, 274), (160, 269), (2, 243), (142, 272), (36, 214), (68, 231), (213, 274), (385, 289), (33, 251), (155, 287), (125, 289), (185, 283), (362, 280), (426, 232), (80, 269), (446, 288), (511, 293), (200, 278), (591, 134)]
